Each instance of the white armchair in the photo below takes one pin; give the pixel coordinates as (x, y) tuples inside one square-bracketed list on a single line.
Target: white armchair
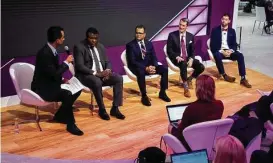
[(21, 75), (87, 90), (211, 55), (203, 135), (254, 144), (174, 67)]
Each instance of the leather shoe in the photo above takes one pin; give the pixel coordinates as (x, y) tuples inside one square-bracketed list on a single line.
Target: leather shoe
[(190, 84), (104, 115), (146, 101), (164, 97), (73, 129), (229, 78), (116, 113), (245, 83), (187, 93)]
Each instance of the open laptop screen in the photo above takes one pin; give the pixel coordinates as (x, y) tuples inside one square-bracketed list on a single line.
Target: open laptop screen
[(175, 112), (199, 156)]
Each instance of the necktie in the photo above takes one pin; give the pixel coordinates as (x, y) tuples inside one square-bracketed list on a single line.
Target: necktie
[(143, 50), (183, 49), (96, 60)]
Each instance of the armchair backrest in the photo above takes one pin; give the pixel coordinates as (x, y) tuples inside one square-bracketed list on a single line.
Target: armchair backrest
[(260, 14), (204, 135), (173, 143), (124, 58), (21, 75)]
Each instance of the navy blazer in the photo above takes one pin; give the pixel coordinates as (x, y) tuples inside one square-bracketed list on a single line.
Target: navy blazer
[(134, 56), (216, 39), (174, 47)]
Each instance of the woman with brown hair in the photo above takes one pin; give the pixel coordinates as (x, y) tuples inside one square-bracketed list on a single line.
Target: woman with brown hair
[(205, 108), (229, 150)]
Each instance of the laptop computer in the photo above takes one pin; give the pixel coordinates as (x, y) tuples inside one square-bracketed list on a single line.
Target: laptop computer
[(199, 156), (175, 113)]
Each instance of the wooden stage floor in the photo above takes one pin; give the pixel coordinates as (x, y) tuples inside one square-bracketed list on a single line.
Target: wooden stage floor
[(116, 139)]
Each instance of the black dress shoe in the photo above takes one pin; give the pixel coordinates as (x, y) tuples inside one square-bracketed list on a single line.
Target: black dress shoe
[(73, 129), (146, 101), (104, 115), (116, 113), (164, 97)]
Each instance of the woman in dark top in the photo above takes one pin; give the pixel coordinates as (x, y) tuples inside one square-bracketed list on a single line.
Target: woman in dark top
[(205, 108), (269, 16)]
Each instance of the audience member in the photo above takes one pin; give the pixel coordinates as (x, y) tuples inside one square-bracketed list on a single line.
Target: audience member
[(151, 155), (269, 16), (205, 108), (229, 150)]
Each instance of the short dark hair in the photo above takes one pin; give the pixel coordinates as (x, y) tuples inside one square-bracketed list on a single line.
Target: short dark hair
[(140, 26), (91, 30), (54, 33), (227, 15), (185, 20)]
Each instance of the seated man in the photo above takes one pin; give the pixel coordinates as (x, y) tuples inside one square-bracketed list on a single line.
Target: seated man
[(269, 16), (47, 79), (142, 61), (223, 46), (180, 49), (93, 69)]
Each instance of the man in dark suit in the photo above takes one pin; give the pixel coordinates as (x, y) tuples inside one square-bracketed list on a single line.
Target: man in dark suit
[(47, 79), (180, 49), (269, 16), (142, 61), (224, 46), (93, 69)]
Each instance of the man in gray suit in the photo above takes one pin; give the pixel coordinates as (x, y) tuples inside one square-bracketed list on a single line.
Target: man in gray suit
[(93, 69)]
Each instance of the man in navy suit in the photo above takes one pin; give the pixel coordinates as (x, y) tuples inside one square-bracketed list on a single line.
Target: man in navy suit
[(180, 49), (223, 46), (142, 61)]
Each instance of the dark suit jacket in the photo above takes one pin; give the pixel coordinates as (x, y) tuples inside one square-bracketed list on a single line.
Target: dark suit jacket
[(216, 39), (174, 47), (48, 73), (83, 60), (134, 56)]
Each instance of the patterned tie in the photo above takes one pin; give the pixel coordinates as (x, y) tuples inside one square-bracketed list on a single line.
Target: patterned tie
[(96, 60), (183, 49), (143, 50)]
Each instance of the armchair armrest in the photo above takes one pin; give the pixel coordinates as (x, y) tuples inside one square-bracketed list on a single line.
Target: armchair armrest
[(31, 98)]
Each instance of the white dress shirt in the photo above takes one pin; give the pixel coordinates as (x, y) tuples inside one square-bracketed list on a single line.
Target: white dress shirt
[(224, 40), (55, 52), (184, 38), (94, 68)]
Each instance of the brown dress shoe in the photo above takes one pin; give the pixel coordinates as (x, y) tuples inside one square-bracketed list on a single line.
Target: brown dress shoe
[(190, 84), (229, 78), (187, 92), (245, 83)]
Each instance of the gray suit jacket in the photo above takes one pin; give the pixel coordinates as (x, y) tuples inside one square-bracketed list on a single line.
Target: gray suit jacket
[(83, 60)]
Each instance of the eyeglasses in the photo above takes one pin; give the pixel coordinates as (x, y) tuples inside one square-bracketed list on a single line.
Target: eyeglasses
[(139, 33)]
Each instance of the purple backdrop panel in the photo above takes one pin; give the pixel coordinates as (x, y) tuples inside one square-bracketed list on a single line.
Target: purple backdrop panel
[(199, 2), (218, 8), (194, 12), (202, 17)]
